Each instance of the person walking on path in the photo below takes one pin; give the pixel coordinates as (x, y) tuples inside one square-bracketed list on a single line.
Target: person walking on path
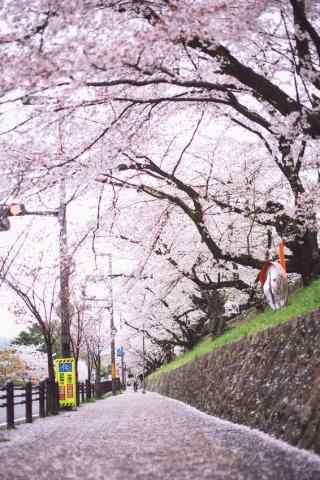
[(147, 437), (135, 384)]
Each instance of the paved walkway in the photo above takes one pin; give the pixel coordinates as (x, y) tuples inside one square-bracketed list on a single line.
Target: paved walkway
[(136, 436)]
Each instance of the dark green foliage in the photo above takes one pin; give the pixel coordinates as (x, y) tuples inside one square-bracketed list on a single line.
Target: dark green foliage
[(34, 336)]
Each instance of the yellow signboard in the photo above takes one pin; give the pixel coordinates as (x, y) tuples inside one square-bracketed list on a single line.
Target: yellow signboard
[(65, 372)]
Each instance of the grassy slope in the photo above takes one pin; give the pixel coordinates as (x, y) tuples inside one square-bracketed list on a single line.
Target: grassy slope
[(302, 301)]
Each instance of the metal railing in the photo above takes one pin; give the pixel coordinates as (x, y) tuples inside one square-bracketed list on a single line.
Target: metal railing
[(42, 397), (85, 391)]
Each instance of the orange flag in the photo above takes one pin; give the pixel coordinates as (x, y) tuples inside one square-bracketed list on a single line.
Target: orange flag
[(262, 275), (282, 260)]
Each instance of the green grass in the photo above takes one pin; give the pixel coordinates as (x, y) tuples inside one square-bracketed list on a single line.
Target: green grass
[(90, 400), (300, 302)]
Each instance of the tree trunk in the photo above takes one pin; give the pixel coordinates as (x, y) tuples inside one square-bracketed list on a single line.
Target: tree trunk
[(89, 366), (51, 374), (304, 246), (98, 376), (306, 258), (217, 325)]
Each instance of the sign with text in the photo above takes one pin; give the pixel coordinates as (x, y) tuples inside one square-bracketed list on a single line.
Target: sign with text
[(65, 373)]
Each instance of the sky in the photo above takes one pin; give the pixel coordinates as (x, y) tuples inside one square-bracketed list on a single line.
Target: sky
[(8, 326)]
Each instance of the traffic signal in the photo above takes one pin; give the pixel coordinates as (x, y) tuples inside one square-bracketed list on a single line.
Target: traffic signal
[(15, 209), (10, 210)]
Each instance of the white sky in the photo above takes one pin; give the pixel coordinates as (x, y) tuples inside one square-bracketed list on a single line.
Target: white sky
[(8, 326)]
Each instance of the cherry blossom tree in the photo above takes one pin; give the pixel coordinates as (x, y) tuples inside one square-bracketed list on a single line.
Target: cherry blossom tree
[(12, 366), (181, 55), (97, 338), (170, 247), (120, 77), (40, 303)]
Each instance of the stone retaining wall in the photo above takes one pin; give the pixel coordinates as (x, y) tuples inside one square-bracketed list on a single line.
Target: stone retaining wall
[(269, 381)]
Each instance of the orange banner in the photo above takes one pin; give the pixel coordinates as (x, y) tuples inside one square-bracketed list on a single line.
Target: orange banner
[(282, 259)]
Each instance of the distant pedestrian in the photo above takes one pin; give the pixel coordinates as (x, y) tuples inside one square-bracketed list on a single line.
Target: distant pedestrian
[(135, 385)]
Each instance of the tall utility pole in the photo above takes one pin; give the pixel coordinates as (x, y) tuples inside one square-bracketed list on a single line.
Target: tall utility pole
[(64, 273), (123, 373), (143, 355), (112, 330)]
